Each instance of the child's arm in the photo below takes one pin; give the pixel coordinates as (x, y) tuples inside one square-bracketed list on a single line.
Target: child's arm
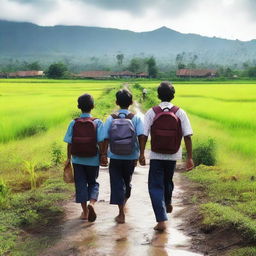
[(68, 140), (68, 154), (148, 120), (142, 141), (188, 144)]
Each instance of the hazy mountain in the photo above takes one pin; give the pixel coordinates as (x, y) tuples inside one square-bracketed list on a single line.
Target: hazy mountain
[(19, 40)]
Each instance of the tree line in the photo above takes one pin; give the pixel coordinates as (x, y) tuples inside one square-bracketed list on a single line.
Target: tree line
[(64, 69)]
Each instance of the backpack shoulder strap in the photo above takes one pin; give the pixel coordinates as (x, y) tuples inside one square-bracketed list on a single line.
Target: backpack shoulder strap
[(88, 118), (157, 109), (174, 109), (114, 116), (130, 116)]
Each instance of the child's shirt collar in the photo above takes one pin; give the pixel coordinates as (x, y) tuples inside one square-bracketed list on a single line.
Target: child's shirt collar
[(165, 104), (85, 115), (124, 111)]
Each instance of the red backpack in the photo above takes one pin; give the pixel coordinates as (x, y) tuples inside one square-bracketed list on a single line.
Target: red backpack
[(166, 132), (84, 139)]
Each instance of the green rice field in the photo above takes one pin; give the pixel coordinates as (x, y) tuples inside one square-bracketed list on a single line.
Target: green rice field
[(35, 112), (29, 106), (34, 115)]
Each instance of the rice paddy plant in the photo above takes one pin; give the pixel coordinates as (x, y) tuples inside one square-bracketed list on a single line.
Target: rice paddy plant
[(29, 168)]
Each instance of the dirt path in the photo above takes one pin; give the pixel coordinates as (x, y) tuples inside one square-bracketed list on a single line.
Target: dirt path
[(135, 237)]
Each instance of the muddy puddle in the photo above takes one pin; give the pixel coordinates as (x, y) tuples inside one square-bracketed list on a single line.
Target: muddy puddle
[(135, 237)]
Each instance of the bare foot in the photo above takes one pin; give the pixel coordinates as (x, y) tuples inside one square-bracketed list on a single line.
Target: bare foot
[(161, 226), (120, 219), (84, 216), (91, 215), (169, 208)]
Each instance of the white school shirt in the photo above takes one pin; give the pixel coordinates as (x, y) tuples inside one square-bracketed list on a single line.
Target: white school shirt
[(185, 126)]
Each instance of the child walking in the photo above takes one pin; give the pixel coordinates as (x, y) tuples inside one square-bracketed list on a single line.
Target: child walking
[(123, 132), (83, 136), (167, 124)]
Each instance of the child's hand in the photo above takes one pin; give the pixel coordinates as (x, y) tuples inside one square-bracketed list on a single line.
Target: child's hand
[(142, 160), (189, 164), (67, 162), (103, 161)]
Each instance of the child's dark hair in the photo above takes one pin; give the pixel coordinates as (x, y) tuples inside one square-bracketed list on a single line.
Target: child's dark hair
[(85, 103), (123, 98), (165, 91)]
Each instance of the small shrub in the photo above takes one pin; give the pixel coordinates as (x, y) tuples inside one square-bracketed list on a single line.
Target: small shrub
[(204, 153), (57, 154), (137, 86)]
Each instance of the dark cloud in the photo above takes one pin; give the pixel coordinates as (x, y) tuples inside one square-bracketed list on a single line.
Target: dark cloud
[(251, 7), (140, 6), (42, 4), (172, 7), (28, 1)]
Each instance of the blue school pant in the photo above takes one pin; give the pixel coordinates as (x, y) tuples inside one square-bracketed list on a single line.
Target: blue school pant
[(85, 182), (120, 180), (160, 186)]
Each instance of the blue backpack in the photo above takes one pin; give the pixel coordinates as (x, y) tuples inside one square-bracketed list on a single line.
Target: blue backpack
[(122, 135)]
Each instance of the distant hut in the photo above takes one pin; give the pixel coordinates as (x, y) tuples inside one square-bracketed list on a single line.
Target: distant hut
[(3, 75), (196, 73), (142, 75), (26, 74), (123, 74)]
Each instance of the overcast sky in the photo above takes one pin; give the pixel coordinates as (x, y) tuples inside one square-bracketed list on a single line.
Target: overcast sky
[(234, 19)]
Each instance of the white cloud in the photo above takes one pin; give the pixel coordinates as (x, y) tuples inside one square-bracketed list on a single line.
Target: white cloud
[(223, 18)]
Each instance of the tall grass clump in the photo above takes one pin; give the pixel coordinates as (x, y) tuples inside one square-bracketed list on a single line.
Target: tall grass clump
[(219, 215), (205, 153), (29, 168)]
